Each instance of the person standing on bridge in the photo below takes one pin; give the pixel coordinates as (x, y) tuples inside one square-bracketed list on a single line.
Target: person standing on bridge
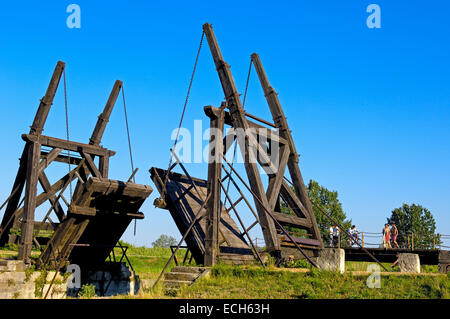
[(354, 234), (331, 235), (386, 236), (336, 237), (394, 232)]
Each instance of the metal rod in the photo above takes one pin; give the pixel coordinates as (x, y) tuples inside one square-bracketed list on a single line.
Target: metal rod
[(242, 225)]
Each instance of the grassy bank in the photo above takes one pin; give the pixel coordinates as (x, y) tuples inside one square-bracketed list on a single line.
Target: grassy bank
[(255, 282)]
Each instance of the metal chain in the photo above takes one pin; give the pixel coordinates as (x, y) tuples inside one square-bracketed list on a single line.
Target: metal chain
[(128, 133), (184, 109), (129, 145), (67, 129)]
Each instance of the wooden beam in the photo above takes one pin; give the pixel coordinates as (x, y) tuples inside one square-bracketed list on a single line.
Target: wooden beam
[(213, 206), (68, 145), (46, 186), (48, 159), (26, 238), (275, 181), (16, 193), (91, 165), (103, 118), (44, 107)]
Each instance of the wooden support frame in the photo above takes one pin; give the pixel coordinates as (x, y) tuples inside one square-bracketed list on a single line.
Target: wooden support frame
[(34, 161), (267, 202)]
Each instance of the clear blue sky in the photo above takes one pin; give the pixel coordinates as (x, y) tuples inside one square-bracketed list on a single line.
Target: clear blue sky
[(369, 108)]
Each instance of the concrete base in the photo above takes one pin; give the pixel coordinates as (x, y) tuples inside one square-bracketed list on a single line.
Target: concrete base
[(332, 259), (409, 263), (114, 279), (15, 283), (18, 283)]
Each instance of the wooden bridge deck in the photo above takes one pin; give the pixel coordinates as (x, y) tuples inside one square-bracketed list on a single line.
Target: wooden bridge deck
[(427, 256)]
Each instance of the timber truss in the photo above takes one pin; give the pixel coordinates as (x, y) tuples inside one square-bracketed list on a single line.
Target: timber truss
[(263, 145), (99, 210)]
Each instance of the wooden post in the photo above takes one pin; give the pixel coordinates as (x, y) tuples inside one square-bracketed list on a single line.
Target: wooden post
[(46, 102), (362, 239), (103, 118), (26, 238), (213, 206), (412, 241)]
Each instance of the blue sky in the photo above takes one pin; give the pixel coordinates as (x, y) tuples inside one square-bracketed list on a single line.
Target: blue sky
[(369, 108)]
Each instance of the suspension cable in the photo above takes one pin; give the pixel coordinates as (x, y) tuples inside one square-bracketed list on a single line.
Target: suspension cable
[(128, 133), (67, 129), (184, 109), (129, 146)]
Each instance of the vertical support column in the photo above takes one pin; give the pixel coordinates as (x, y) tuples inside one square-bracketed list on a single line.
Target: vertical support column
[(103, 166), (26, 238), (213, 206)]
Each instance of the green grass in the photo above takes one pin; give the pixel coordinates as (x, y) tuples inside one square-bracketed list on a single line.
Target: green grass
[(226, 282), (256, 282)]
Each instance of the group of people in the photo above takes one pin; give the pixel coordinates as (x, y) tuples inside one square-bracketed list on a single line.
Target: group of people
[(335, 232), (390, 233)]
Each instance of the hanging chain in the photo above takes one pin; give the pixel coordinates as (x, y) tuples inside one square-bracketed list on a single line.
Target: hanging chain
[(129, 144), (184, 109), (128, 133), (67, 130)]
